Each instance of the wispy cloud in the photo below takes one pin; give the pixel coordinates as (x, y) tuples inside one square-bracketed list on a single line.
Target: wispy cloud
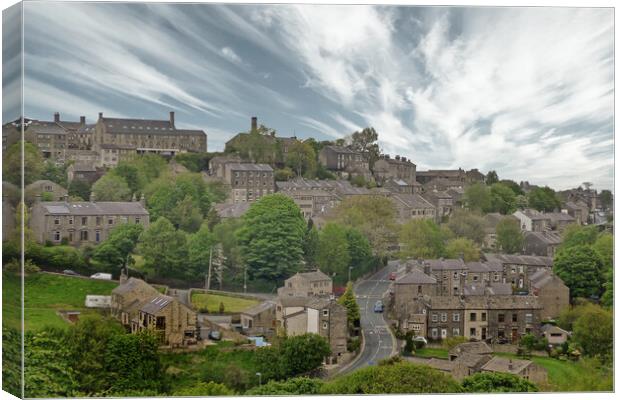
[(230, 55)]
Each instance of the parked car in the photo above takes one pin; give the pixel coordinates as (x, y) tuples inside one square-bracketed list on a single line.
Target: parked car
[(379, 306), (392, 276), (503, 340), (102, 275), (420, 339), (215, 335), (70, 272)]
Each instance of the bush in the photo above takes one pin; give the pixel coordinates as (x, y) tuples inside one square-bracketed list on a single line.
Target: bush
[(450, 342), (300, 385), (353, 344), (497, 382)]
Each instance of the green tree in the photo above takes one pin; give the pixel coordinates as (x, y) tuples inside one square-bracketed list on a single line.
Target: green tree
[(503, 199), (130, 175), (607, 299), (514, 186), (604, 247), (477, 197), (509, 236), (581, 269), (225, 235), (491, 178), (422, 238), (577, 235), (485, 382), (461, 247), (12, 163), (303, 353), (300, 385), (311, 245), (606, 198), (195, 162), (353, 310), (593, 331), (164, 248), (302, 159), (333, 250), (204, 389), (115, 252), (521, 202), (283, 174), (11, 357), (79, 188), (361, 253), (54, 173), (271, 237), (468, 225), (187, 214), (111, 188), (199, 246), (543, 199), (365, 141)]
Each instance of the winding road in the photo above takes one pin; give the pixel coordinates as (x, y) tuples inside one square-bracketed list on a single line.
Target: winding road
[(379, 342)]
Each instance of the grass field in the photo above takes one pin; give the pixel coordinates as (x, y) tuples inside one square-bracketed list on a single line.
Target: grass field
[(564, 376), (45, 294), (212, 302)]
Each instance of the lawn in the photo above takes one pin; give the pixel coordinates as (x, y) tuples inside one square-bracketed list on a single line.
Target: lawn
[(429, 352), (47, 293), (222, 363), (212, 302)]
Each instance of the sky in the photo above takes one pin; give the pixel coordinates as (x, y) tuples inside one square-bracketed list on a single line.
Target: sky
[(528, 92)]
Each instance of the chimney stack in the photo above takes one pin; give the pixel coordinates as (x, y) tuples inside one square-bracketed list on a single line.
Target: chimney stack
[(172, 119), (92, 197), (56, 116), (142, 200), (427, 268), (82, 120), (66, 198), (37, 198), (100, 115), (254, 123)]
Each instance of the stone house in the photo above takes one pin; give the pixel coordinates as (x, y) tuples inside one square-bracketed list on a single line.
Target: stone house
[(303, 284), (449, 273), (558, 221), (83, 222), (260, 319), (460, 175), (312, 202), (443, 184), (248, 182), (532, 220), (445, 317), (409, 287), (234, 210), (45, 190), (554, 334), (479, 272), (553, 295), (397, 169), (174, 323), (511, 317), (412, 206), (344, 161), (218, 163), (524, 368), (578, 210), (84, 171), (475, 318), (400, 186), (442, 202), (517, 268), (128, 297), (543, 243), (110, 154)]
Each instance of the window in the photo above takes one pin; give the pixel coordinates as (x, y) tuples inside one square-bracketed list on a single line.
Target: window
[(325, 313), (456, 317), (71, 221), (124, 220), (434, 333), (500, 317), (483, 316), (325, 325), (71, 236), (56, 221), (514, 317), (528, 318), (83, 235), (84, 220), (444, 317), (137, 220), (472, 316), (98, 221), (110, 221), (472, 332), (455, 331), (474, 278), (97, 236), (57, 236), (434, 317)]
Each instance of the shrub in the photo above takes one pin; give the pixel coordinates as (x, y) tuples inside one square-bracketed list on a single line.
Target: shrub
[(497, 382)]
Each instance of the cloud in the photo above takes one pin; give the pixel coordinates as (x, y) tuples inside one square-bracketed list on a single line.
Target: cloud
[(230, 55)]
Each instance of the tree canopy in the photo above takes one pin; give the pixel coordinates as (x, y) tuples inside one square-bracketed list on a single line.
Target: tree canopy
[(509, 236), (164, 248), (422, 238), (485, 382), (111, 188), (543, 199), (12, 163), (581, 269), (477, 197)]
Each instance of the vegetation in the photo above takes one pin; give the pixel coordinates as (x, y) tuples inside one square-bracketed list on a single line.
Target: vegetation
[(422, 238), (212, 302), (111, 188), (12, 163), (301, 385), (467, 225), (164, 248), (461, 247), (497, 382), (115, 252), (543, 199), (509, 236), (353, 310)]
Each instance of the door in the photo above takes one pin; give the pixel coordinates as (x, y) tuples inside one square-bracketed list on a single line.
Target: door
[(444, 333), (515, 336)]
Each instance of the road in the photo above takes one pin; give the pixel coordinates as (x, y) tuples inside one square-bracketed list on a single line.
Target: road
[(379, 343)]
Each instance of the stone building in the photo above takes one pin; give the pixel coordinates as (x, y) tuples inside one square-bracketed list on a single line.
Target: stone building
[(412, 206), (517, 268), (260, 320), (312, 202), (83, 222), (44, 190), (303, 284), (460, 175), (397, 169), (558, 221), (344, 161), (532, 220), (174, 323), (449, 273), (525, 369), (553, 295), (234, 210), (442, 201), (579, 210), (400, 186), (280, 146), (445, 317), (554, 334), (543, 243), (248, 182), (511, 317), (128, 297), (409, 287), (84, 171)]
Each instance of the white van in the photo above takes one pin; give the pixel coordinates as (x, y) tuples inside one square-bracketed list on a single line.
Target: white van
[(102, 275)]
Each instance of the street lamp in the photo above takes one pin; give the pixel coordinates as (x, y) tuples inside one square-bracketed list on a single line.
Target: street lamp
[(259, 378)]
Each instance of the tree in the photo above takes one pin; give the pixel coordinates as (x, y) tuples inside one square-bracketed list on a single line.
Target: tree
[(114, 253), (300, 385), (543, 199), (593, 331), (271, 237), (461, 247), (521, 202), (491, 178), (485, 382), (333, 250), (302, 159), (477, 197), (514, 186), (468, 225), (187, 214), (199, 247), (577, 235), (604, 247), (606, 198), (130, 175), (509, 236), (12, 163), (54, 173), (400, 377), (373, 216), (353, 310), (283, 174), (303, 353), (581, 269), (111, 188), (195, 162), (79, 188), (225, 235), (366, 143), (422, 238), (164, 249), (204, 389), (311, 245), (503, 199), (360, 251)]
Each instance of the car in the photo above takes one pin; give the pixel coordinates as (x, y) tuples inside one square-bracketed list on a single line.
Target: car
[(392, 276), (503, 340), (420, 339), (378, 306), (215, 335), (70, 272), (102, 275)]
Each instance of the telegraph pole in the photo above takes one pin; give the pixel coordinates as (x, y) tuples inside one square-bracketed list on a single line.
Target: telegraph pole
[(209, 273)]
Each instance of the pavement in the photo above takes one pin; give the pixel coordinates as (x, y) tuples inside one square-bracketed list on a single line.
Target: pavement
[(379, 343)]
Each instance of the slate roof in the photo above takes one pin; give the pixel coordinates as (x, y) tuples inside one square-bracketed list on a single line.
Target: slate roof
[(445, 264), (293, 301), (471, 348), (235, 210), (546, 237), (487, 266), (145, 126), (259, 308), (83, 167), (539, 261), (513, 302), (156, 304), (560, 216), (412, 200), (94, 208), (534, 215), (46, 128), (415, 277), (481, 289), (318, 303), (133, 284), (314, 276), (236, 166), (446, 303), (340, 149), (552, 328), (506, 365)]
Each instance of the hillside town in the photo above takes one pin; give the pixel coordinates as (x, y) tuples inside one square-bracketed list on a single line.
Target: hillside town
[(299, 238)]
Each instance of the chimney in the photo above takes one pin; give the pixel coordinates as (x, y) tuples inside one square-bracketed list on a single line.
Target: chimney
[(100, 115), (172, 119), (66, 198), (427, 268), (254, 124), (510, 364), (142, 200), (123, 278), (57, 117), (92, 197), (82, 120)]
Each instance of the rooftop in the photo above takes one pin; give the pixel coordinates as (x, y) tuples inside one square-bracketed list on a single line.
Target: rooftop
[(415, 277), (94, 208), (237, 166), (259, 308), (517, 259), (507, 365), (156, 304)]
